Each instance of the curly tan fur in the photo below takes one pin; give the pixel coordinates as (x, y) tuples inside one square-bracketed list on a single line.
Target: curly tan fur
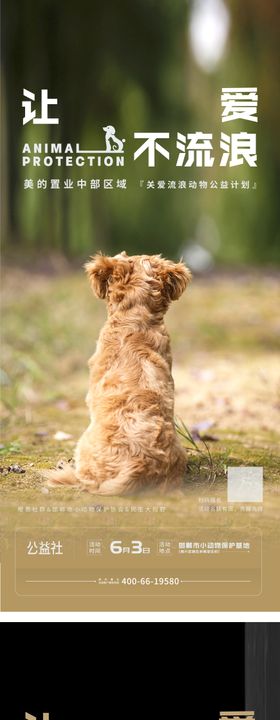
[(131, 442)]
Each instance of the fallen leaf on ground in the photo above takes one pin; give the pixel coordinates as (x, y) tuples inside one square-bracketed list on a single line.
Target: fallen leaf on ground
[(60, 435), (16, 469)]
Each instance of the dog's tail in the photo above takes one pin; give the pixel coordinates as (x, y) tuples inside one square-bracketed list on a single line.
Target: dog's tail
[(65, 475)]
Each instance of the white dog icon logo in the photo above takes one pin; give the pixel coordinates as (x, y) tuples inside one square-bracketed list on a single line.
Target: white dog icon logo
[(112, 142)]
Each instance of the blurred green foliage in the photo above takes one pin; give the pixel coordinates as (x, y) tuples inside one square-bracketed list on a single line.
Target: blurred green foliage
[(129, 64)]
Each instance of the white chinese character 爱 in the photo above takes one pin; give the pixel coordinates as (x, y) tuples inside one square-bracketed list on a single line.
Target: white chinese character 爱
[(239, 104)]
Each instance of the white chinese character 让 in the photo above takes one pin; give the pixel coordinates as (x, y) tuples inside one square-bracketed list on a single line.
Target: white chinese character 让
[(30, 114)]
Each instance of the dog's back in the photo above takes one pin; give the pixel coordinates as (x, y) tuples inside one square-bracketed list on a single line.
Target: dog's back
[(131, 441)]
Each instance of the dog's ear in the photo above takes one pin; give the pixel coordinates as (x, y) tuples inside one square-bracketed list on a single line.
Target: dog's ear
[(175, 277), (99, 270)]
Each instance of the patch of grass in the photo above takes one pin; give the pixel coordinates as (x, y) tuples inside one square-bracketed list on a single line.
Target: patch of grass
[(201, 463), (10, 448)]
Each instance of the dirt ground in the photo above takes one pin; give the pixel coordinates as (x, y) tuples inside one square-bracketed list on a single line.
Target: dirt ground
[(225, 334)]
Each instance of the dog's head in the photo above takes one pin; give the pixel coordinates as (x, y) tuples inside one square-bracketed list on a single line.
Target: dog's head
[(127, 281)]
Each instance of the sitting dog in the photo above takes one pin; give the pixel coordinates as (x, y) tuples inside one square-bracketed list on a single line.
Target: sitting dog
[(131, 441)]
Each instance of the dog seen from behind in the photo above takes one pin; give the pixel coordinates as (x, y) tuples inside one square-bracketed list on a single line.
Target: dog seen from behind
[(131, 442)]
